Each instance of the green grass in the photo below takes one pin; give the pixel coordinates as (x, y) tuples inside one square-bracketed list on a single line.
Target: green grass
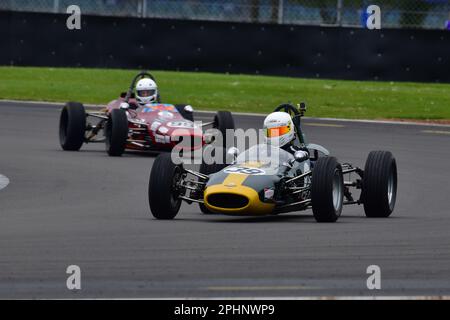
[(205, 91)]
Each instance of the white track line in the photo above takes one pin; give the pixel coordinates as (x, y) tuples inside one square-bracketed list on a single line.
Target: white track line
[(4, 181), (331, 125), (391, 122), (436, 132)]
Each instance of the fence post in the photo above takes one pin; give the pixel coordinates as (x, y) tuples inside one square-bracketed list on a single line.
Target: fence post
[(55, 6), (280, 11), (144, 8), (339, 13)]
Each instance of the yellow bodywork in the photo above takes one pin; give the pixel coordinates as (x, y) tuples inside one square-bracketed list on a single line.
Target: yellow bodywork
[(233, 185)]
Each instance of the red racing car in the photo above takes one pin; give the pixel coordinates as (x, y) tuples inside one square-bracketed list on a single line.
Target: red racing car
[(128, 124)]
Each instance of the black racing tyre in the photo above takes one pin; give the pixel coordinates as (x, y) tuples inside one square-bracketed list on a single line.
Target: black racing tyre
[(72, 126), (224, 120), (379, 191), (204, 209), (327, 190), (162, 188), (210, 168), (116, 133), (187, 115)]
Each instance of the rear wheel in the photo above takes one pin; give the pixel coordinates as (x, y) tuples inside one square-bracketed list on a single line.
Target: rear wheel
[(207, 169), (204, 209), (379, 184), (214, 159), (116, 132), (224, 120), (163, 187), (185, 114), (327, 190), (72, 126)]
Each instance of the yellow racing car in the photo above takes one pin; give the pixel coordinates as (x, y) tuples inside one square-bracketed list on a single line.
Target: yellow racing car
[(267, 180)]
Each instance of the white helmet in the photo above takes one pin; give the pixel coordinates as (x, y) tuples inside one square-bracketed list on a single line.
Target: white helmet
[(279, 129), (146, 91)]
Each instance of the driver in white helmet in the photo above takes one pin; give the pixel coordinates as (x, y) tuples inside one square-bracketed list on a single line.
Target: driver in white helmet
[(279, 131), (146, 92)]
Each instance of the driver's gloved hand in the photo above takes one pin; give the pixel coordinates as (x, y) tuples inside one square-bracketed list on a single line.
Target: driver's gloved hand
[(124, 106)]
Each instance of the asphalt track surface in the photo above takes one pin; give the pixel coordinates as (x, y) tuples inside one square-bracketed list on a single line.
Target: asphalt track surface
[(87, 209)]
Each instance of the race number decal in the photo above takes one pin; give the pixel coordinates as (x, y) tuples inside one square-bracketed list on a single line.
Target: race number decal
[(245, 170), (180, 124)]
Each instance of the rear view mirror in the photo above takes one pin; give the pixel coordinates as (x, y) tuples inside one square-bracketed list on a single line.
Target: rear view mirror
[(208, 137), (232, 154), (301, 155), (302, 108)]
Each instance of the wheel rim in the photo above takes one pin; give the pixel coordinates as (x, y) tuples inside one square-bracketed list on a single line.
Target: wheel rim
[(337, 190), (391, 189)]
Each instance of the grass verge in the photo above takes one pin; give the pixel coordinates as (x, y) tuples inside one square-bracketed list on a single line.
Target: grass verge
[(244, 93)]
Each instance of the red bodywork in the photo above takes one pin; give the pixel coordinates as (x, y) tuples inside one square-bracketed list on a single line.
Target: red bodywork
[(159, 126)]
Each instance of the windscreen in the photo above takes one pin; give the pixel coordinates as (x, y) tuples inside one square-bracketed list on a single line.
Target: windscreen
[(264, 156)]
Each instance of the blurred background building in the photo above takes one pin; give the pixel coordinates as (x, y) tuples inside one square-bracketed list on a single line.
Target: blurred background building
[(429, 14)]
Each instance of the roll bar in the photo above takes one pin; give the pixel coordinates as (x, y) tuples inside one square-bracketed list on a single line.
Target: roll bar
[(296, 114)]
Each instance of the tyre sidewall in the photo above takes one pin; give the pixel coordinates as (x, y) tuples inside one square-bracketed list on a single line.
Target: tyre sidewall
[(377, 171), (322, 190), (224, 120), (162, 199), (116, 132), (72, 126)]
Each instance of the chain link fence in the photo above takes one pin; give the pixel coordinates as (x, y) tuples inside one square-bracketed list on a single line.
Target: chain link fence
[(431, 14)]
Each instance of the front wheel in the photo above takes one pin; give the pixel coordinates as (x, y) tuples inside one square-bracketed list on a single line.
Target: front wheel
[(72, 126), (185, 114), (327, 190), (116, 133), (163, 191), (379, 191)]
